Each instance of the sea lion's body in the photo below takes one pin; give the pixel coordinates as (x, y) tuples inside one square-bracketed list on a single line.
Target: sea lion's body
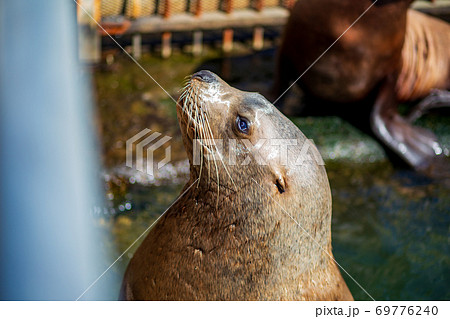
[(425, 57), (239, 241), (392, 54)]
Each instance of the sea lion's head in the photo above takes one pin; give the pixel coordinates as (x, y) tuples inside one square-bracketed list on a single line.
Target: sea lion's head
[(262, 184), (234, 135)]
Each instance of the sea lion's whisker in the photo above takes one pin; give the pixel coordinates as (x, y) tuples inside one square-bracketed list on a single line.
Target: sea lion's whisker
[(188, 110), (188, 107), (210, 151), (205, 137), (215, 161), (217, 171), (199, 133), (221, 160), (197, 120), (208, 136), (184, 86), (186, 81), (183, 95)]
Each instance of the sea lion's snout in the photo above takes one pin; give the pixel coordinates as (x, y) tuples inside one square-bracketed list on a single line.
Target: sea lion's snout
[(205, 76)]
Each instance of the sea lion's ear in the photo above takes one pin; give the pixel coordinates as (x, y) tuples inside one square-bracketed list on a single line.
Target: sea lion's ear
[(279, 178)]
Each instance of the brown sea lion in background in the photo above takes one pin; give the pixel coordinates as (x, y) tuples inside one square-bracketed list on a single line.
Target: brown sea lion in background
[(391, 55), (255, 231)]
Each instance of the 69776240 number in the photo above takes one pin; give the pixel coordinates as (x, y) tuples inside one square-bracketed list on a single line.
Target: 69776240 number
[(406, 310)]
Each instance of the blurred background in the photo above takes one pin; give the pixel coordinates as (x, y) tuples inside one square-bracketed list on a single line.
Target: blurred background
[(391, 226)]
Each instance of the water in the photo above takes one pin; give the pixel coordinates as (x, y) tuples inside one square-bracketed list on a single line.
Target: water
[(390, 227), (391, 232)]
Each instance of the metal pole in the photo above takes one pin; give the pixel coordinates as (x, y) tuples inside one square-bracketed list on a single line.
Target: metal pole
[(48, 173)]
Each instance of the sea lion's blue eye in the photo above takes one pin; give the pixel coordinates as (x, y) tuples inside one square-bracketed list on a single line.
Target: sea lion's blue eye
[(242, 124)]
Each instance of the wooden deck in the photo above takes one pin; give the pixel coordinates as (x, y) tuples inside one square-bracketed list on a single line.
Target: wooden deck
[(275, 16), (134, 18)]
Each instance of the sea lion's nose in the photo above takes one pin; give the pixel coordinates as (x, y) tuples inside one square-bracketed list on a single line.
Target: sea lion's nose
[(205, 76)]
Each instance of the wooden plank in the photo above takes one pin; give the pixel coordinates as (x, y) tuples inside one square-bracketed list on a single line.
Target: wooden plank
[(258, 38), (197, 45), (166, 45), (227, 40), (136, 45)]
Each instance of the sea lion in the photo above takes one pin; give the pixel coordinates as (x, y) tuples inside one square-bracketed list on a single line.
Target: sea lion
[(248, 225), (392, 54)]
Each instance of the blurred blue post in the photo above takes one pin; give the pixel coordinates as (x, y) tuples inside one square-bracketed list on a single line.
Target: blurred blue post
[(49, 182)]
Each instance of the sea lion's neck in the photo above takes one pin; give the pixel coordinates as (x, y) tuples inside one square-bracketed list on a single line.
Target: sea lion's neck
[(279, 228)]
